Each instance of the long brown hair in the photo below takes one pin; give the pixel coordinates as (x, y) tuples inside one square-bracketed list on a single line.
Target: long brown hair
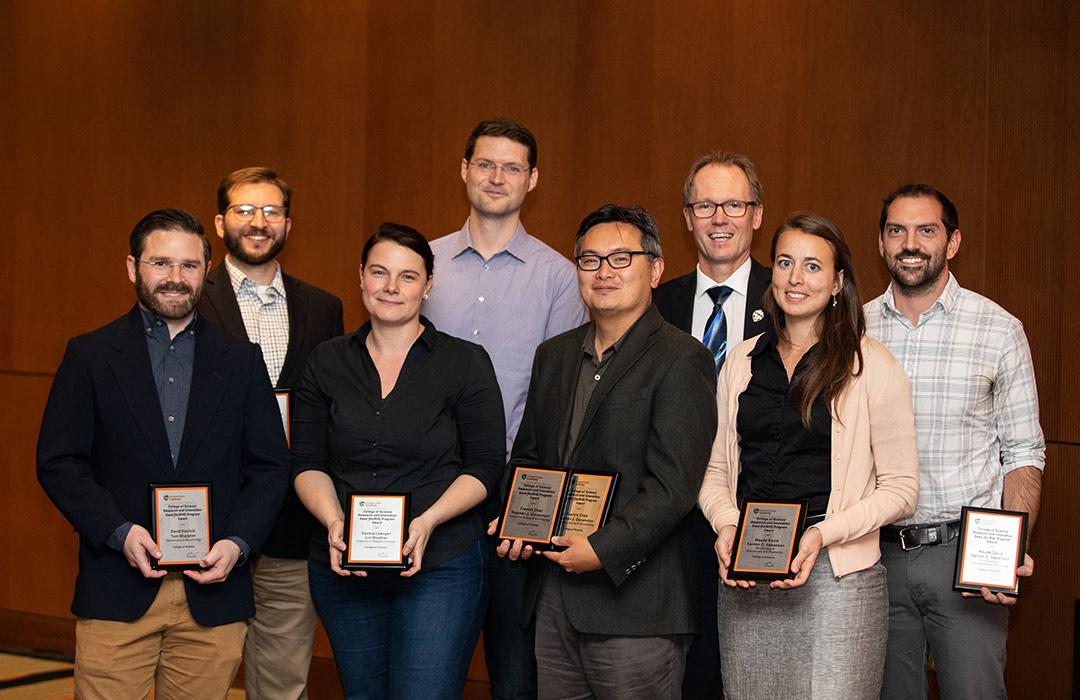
[(840, 328)]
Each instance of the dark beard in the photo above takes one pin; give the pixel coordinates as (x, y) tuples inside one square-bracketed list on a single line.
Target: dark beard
[(920, 283), (236, 250), (174, 310)]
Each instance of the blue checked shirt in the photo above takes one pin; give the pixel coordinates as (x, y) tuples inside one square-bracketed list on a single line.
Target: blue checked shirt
[(266, 316)]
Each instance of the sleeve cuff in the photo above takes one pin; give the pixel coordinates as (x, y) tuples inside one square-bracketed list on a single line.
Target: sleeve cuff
[(119, 536), (245, 550)]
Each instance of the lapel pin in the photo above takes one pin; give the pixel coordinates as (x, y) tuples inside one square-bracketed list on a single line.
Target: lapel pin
[(758, 315)]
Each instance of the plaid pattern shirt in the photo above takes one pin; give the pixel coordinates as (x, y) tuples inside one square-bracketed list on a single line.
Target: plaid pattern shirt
[(266, 316), (973, 385)]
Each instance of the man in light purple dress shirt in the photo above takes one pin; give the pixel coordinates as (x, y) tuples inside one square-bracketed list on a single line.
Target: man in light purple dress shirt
[(498, 286)]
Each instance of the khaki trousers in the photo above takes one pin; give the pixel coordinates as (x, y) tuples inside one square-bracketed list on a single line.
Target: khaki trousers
[(164, 650), (277, 653)]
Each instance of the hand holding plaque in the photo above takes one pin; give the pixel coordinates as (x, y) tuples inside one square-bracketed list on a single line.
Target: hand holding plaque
[(990, 549), (376, 527), (766, 538), (546, 502), (180, 524)]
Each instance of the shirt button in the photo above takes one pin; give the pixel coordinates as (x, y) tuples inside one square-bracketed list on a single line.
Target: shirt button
[(172, 380), (481, 300), (171, 347), (378, 413), (487, 267), (171, 419), (596, 377), (476, 331)]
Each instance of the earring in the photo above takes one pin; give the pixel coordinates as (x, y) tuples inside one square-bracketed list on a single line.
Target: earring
[(834, 301), (425, 297)]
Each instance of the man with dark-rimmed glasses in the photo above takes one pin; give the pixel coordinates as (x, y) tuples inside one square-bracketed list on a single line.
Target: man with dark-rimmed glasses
[(719, 303), (615, 610)]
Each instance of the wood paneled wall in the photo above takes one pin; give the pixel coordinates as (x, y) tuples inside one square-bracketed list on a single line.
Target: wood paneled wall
[(115, 108)]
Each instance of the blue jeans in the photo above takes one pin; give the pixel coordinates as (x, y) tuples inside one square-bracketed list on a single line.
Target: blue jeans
[(408, 638)]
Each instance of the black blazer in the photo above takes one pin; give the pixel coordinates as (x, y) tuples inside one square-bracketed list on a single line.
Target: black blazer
[(638, 423), (103, 441), (674, 300), (314, 316)]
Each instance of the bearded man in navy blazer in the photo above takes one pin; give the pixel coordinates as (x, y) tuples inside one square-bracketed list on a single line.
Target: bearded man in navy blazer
[(615, 611), (250, 296), (159, 395), (719, 303)]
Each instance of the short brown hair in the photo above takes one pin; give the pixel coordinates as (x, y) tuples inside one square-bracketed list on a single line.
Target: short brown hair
[(737, 160), (251, 176), (506, 128)]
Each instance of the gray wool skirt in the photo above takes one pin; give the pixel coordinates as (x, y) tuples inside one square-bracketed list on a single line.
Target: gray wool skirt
[(823, 640)]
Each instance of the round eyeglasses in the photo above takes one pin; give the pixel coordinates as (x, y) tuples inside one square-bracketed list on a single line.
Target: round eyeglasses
[(246, 212)]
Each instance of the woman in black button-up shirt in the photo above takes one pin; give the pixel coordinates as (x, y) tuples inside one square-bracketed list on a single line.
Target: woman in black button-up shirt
[(398, 406)]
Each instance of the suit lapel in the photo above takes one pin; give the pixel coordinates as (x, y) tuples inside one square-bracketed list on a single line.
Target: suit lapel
[(131, 367), (756, 322), (209, 377), (221, 304), (296, 302), (683, 311), (638, 340), (566, 381)]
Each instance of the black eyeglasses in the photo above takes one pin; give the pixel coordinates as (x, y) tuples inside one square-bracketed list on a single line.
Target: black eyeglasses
[(616, 261), (735, 208)]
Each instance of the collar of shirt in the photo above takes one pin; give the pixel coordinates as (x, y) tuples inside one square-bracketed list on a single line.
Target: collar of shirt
[(516, 246), (241, 282), (736, 282), (158, 330), (426, 339), (588, 345), (946, 302)]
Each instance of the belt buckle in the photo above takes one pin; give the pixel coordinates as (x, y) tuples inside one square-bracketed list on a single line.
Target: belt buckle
[(904, 541)]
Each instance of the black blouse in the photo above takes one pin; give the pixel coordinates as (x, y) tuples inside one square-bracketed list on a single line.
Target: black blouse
[(780, 458), (443, 418)]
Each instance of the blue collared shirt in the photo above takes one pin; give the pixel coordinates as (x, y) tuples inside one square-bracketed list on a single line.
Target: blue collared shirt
[(171, 363), (509, 303)]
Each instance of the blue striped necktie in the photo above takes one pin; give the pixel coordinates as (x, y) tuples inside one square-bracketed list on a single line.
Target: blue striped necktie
[(715, 336)]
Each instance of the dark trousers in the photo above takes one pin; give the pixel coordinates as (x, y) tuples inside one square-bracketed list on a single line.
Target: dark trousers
[(508, 647), (572, 665), (703, 680)]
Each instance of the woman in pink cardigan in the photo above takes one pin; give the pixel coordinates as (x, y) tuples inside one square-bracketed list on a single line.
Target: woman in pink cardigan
[(811, 410)]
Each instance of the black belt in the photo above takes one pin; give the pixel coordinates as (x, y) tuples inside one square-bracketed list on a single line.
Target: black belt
[(911, 537)]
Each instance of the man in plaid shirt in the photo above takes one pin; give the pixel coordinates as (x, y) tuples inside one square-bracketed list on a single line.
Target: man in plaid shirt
[(980, 444), (250, 296)]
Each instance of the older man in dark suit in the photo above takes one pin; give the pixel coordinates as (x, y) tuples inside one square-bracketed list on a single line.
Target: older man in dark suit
[(719, 303), (615, 611), (250, 296), (161, 396)]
